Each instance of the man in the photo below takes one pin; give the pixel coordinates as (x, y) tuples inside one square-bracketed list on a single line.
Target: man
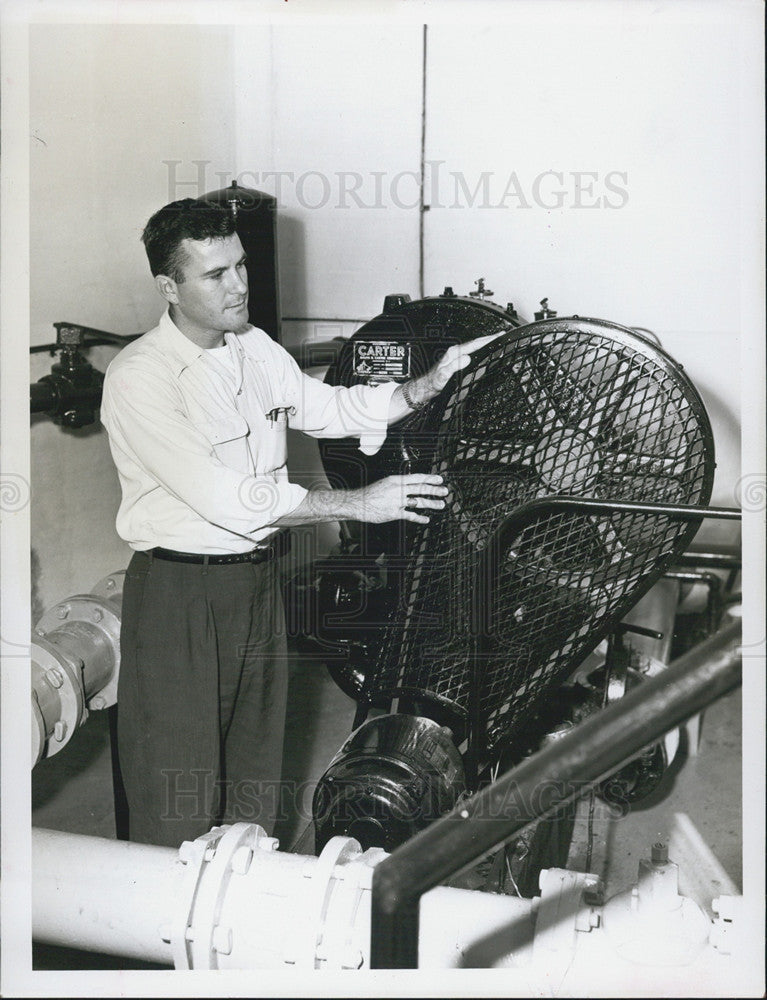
[(196, 411)]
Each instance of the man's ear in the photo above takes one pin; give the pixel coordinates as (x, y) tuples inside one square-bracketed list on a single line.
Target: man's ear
[(167, 288)]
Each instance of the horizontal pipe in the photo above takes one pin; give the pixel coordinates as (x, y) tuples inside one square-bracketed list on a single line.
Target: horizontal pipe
[(42, 397), (526, 513), (108, 896), (280, 910), (558, 774), (710, 560)]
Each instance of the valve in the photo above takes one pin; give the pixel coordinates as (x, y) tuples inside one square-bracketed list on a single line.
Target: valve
[(481, 292), (71, 394), (652, 923), (544, 312)]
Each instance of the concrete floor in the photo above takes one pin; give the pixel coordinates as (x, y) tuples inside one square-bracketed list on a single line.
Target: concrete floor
[(73, 792)]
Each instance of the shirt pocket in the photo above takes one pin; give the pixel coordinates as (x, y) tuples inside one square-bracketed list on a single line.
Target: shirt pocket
[(228, 436)]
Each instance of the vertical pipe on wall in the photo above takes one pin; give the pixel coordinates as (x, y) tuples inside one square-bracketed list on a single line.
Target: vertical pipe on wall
[(422, 208)]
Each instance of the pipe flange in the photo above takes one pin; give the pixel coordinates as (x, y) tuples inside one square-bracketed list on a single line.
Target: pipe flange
[(191, 854), (37, 730), (101, 614), (64, 678), (352, 880), (196, 938), (337, 851), (110, 588)]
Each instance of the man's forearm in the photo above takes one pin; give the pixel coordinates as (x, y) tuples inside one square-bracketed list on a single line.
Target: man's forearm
[(319, 506), (409, 497)]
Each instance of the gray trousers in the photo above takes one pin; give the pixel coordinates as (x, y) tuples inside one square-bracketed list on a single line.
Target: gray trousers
[(201, 697)]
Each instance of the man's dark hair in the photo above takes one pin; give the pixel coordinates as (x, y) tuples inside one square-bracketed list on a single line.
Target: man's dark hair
[(187, 219)]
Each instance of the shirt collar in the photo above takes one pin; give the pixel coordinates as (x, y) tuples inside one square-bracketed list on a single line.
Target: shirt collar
[(181, 351)]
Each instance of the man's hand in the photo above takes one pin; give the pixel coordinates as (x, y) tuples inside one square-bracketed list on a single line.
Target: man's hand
[(453, 360), (390, 498), (421, 390), (386, 500)]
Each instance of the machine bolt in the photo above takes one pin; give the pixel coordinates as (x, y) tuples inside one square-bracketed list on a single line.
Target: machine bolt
[(222, 940), (59, 731), (39, 631), (186, 852), (659, 853), (97, 614), (268, 843), (54, 678), (62, 611), (241, 859), (110, 584)]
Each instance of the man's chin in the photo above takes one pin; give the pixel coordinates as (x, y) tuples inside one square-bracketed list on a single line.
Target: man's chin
[(239, 318)]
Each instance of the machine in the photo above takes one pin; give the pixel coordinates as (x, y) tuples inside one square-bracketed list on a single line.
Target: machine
[(579, 459)]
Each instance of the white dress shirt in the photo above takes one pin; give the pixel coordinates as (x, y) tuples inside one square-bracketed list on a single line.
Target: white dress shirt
[(200, 445)]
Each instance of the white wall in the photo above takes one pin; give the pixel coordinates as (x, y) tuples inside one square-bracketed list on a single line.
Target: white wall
[(108, 105), (329, 106), (639, 105)]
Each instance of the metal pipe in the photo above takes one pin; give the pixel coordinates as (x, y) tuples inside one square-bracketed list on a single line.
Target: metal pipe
[(75, 663), (42, 396), (108, 896), (713, 560), (558, 774), (528, 512), (229, 901)]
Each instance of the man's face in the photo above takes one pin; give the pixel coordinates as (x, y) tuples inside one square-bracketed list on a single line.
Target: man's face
[(213, 297)]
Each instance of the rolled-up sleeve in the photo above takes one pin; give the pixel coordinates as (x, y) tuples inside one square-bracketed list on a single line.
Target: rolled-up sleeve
[(156, 446)]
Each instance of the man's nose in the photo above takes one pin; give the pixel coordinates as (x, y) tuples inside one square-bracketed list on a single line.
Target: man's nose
[(238, 284)]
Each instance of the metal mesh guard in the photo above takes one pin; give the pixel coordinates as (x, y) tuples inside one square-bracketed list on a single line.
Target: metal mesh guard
[(571, 407)]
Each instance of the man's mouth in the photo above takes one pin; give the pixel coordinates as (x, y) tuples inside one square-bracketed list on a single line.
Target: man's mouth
[(238, 305)]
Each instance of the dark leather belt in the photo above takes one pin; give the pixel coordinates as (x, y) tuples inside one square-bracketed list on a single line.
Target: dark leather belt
[(277, 546)]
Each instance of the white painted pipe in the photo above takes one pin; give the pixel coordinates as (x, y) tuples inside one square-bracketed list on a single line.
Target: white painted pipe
[(101, 895), (230, 900), (75, 664), (261, 909)]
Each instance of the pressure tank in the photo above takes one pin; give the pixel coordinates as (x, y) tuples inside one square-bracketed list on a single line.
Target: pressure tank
[(255, 214)]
